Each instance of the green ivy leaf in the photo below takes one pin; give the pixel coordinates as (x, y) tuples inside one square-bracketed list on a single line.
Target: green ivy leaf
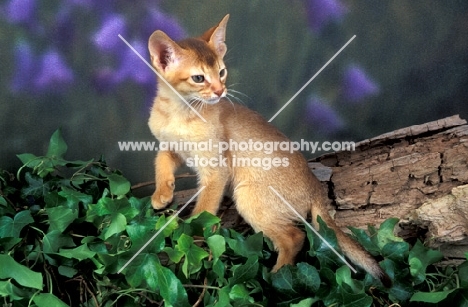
[(57, 146), (240, 294), (305, 303), (219, 269), (143, 270), (245, 272), (117, 225), (54, 240), (29, 160), (173, 254), (81, 253), (53, 199), (74, 197), (9, 242), (61, 217), (223, 297), (204, 219), (430, 297), (109, 206), (365, 240), (293, 282), (168, 227), (35, 186), (48, 300), (343, 277), (141, 233), (118, 184), (342, 295), (67, 271), (308, 277), (386, 233), (283, 281), (402, 288), (328, 276), (325, 255), (217, 245), (170, 287), (8, 289), (463, 274), (21, 274), (355, 300), (193, 255), (419, 258), (12, 227), (202, 223), (397, 251), (246, 247)]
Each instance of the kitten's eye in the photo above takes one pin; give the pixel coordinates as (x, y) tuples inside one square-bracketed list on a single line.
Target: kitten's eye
[(222, 72), (198, 78)]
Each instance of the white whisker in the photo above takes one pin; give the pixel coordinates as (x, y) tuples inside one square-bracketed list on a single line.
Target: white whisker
[(237, 92), (235, 97)]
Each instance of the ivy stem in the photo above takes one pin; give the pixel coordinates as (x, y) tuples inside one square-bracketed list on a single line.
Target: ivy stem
[(9, 201)]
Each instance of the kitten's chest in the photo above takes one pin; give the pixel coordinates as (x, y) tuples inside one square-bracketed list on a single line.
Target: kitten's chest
[(176, 128)]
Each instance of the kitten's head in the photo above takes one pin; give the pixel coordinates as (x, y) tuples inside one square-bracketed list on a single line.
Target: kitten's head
[(194, 66)]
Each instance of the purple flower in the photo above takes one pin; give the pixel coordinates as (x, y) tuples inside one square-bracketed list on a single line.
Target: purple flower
[(106, 38), (101, 6), (63, 31), (157, 20), (20, 11), (54, 73), (84, 3), (323, 117), (322, 12), (24, 68), (357, 85), (103, 79), (133, 68)]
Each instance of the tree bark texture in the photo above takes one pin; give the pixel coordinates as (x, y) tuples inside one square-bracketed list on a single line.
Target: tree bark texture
[(417, 174)]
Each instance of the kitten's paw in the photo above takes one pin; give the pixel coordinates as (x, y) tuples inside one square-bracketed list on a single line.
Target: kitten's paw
[(163, 195)]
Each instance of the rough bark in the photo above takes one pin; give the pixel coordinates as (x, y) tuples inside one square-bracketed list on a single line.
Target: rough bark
[(416, 174)]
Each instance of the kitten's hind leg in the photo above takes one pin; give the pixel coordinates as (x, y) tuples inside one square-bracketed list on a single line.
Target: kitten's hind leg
[(288, 241), (260, 211)]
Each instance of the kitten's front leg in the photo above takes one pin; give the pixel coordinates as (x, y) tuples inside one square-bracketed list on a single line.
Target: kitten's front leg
[(166, 163), (214, 181)]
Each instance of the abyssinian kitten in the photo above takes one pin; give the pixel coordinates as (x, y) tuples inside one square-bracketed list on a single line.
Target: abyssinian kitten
[(195, 68)]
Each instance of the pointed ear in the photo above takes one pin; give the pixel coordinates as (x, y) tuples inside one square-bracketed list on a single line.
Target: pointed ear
[(164, 51), (215, 37)]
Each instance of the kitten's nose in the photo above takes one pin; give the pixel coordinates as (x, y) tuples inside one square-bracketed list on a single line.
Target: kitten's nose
[(219, 92)]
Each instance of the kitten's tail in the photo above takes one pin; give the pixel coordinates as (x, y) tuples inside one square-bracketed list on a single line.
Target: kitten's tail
[(355, 252)]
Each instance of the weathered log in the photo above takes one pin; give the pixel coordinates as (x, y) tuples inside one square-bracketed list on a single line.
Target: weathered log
[(404, 174)]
